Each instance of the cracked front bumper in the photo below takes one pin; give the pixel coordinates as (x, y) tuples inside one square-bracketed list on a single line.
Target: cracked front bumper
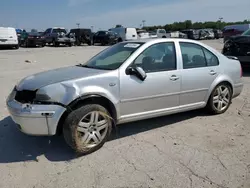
[(35, 119)]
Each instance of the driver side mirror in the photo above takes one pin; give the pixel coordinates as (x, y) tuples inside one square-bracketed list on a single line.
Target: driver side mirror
[(137, 71)]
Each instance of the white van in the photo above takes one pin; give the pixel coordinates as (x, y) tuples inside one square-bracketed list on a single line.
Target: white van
[(125, 34), (8, 37), (161, 33)]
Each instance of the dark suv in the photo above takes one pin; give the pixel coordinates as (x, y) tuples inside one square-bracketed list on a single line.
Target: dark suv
[(105, 37), (57, 36), (82, 36), (191, 34), (239, 46), (233, 30)]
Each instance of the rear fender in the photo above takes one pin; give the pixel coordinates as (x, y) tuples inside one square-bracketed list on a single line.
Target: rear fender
[(217, 81)]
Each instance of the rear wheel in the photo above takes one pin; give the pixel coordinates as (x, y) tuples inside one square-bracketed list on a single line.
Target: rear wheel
[(87, 128), (220, 99), (55, 44), (78, 43), (119, 40)]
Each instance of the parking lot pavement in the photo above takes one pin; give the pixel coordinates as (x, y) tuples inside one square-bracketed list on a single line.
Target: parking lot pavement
[(183, 150)]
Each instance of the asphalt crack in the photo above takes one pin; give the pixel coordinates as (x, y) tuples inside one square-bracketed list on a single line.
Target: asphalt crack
[(186, 167)]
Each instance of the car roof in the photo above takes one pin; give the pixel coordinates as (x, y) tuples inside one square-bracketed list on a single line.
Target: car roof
[(149, 40)]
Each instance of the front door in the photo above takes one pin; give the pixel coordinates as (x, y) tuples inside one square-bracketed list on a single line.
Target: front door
[(200, 69), (159, 91)]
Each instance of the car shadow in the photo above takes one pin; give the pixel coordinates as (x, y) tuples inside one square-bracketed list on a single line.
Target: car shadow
[(18, 147)]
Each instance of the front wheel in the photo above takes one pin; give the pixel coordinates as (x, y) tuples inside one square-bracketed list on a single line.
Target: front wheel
[(87, 128), (220, 99)]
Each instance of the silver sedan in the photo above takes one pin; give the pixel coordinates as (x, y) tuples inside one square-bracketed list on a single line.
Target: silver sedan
[(126, 82)]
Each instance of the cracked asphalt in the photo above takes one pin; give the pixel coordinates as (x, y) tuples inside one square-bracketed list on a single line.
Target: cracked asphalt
[(187, 150)]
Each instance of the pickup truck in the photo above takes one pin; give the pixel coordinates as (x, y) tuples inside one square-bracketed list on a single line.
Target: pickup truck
[(57, 36)]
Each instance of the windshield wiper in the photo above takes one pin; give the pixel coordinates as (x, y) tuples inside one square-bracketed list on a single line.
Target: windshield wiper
[(83, 65), (91, 67)]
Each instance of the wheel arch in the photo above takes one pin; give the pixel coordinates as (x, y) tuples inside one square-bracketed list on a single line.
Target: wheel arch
[(220, 80), (87, 99)]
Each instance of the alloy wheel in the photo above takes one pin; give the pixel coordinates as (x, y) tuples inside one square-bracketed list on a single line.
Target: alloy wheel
[(92, 129), (221, 98)]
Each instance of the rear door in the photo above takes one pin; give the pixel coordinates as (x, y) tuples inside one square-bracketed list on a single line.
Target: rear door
[(47, 35), (200, 69)]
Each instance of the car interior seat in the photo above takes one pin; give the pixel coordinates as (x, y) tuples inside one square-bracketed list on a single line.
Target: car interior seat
[(199, 61), (147, 63), (169, 61)]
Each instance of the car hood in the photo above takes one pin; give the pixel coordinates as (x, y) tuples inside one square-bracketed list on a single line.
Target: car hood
[(240, 39), (42, 79)]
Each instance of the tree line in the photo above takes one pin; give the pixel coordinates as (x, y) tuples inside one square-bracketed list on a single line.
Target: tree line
[(188, 24)]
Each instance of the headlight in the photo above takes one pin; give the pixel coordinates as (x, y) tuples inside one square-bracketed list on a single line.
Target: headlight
[(51, 93), (42, 97)]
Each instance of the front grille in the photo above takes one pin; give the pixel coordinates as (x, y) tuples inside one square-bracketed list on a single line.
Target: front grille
[(25, 96)]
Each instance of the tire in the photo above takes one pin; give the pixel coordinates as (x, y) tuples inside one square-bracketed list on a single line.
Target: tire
[(55, 44), (74, 134), (70, 44), (220, 95), (119, 40), (78, 43), (17, 46)]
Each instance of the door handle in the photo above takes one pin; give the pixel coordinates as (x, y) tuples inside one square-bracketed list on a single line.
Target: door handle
[(174, 78), (212, 72)]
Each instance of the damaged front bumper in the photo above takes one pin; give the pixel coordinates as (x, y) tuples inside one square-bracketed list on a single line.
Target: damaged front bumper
[(35, 119)]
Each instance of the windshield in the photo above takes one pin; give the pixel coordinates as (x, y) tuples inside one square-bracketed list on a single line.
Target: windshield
[(113, 57), (59, 31), (246, 33)]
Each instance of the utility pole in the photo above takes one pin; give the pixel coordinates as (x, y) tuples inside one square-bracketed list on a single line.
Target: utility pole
[(78, 24), (143, 23), (220, 19)]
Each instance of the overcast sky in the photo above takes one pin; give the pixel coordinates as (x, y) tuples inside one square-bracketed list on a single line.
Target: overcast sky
[(42, 14)]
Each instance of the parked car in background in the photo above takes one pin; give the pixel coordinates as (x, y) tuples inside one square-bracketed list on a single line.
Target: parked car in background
[(19, 32), (152, 34), (8, 37), (105, 38), (127, 82), (232, 30), (210, 33), (57, 36), (162, 33), (203, 35), (82, 36), (239, 46), (143, 34), (191, 34), (178, 34), (125, 33), (218, 33), (32, 39)]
